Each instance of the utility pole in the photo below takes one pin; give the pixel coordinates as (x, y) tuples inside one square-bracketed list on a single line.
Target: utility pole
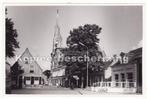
[(87, 65)]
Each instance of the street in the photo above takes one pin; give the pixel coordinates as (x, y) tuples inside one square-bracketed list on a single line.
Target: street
[(48, 90), (56, 91), (52, 90)]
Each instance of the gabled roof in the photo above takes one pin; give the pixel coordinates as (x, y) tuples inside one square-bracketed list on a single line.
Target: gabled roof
[(27, 51), (135, 54), (132, 55)]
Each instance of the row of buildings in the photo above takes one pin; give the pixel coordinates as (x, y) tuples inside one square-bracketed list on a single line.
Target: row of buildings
[(120, 74)]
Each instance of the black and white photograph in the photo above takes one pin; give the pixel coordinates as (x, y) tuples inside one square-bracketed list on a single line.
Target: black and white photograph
[(74, 49)]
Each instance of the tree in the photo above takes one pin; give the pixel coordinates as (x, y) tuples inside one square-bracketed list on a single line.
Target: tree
[(47, 73), (88, 36), (16, 70), (11, 38)]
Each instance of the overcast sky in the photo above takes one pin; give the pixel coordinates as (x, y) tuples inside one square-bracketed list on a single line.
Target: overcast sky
[(121, 26)]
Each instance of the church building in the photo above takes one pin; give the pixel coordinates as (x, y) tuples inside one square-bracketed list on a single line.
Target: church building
[(57, 68)]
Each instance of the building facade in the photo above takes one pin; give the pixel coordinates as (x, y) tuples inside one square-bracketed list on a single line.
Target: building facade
[(57, 68), (129, 74), (26, 72), (125, 73)]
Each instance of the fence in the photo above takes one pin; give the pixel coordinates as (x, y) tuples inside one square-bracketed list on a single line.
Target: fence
[(116, 84)]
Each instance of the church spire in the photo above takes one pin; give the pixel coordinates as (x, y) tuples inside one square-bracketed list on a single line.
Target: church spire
[(57, 16), (57, 40)]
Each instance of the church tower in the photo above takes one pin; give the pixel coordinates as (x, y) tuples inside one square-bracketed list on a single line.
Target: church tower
[(57, 67), (57, 40)]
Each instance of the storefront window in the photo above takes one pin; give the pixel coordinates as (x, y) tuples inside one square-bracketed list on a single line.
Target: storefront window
[(116, 77), (130, 79), (36, 78), (122, 77), (27, 78), (116, 80), (123, 80)]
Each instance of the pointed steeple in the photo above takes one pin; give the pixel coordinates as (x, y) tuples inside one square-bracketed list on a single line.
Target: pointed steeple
[(57, 16), (57, 40), (27, 50)]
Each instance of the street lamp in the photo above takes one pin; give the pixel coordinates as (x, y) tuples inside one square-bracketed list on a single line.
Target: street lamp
[(87, 60)]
